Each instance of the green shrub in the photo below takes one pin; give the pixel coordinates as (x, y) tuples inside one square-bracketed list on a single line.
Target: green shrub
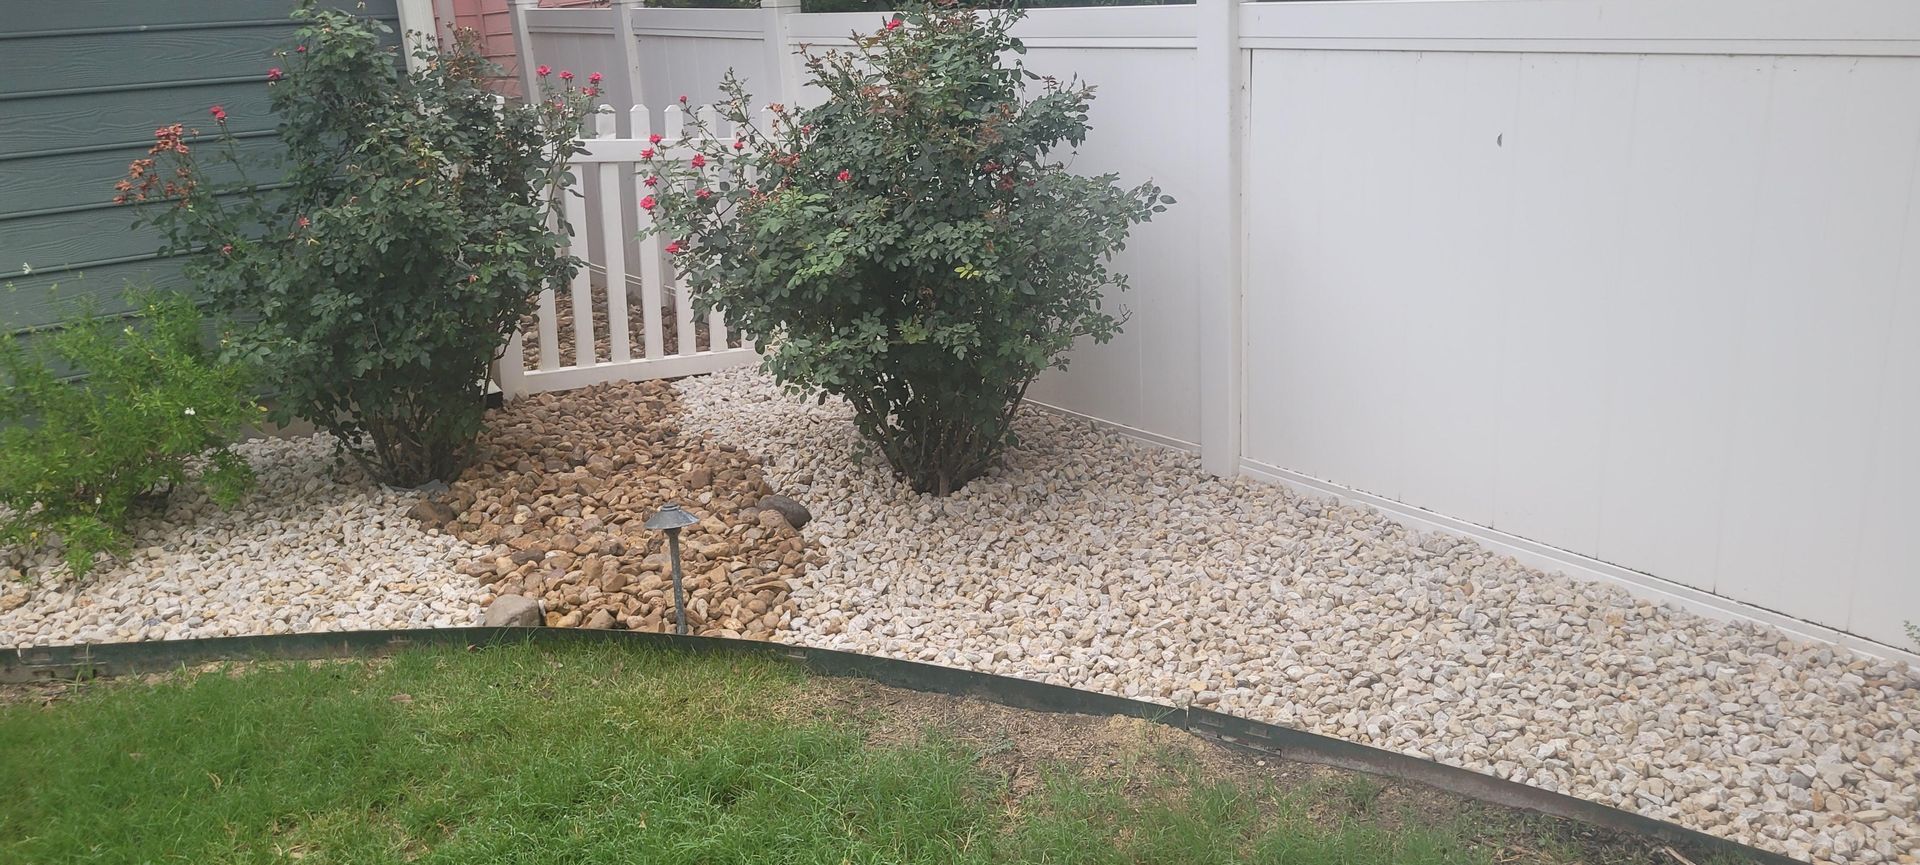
[(912, 244), (408, 238), (154, 412)]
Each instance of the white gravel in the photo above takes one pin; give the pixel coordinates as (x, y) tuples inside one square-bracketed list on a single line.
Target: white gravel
[(303, 552), (1093, 561)]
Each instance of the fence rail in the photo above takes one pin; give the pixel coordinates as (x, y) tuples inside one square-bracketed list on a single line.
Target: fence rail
[(600, 323)]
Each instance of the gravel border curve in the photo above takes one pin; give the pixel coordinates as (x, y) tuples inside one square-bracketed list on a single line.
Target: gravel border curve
[(304, 551), (1094, 561)]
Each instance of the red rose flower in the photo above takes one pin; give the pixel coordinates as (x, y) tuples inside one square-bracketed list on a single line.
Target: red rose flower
[(594, 78), (698, 160), (226, 249), (303, 222), (702, 193), (675, 248), (219, 114), (300, 49), (647, 203), (566, 75), (654, 138), (274, 74), (893, 23), (646, 153), (590, 91), (738, 144), (844, 175), (651, 181), (683, 100), (542, 70)]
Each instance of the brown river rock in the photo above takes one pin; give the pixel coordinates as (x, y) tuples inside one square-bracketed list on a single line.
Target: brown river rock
[(561, 490)]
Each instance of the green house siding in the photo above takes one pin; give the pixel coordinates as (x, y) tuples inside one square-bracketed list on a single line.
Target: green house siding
[(85, 83)]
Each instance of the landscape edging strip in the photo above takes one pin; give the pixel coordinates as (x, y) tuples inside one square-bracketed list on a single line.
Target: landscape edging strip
[(56, 663)]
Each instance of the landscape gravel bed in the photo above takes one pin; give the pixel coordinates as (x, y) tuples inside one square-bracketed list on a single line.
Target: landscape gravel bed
[(311, 548), (1094, 561), (551, 513), (560, 497)]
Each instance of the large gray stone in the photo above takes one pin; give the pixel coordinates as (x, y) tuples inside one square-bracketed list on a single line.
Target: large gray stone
[(514, 611), (432, 513), (796, 513)]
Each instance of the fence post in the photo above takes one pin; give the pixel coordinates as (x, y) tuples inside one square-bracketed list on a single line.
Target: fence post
[(509, 370), (623, 23), (417, 30), (782, 67), (1220, 257), (523, 49)]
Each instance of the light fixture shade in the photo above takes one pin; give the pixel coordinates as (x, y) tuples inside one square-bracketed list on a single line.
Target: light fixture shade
[(671, 517)]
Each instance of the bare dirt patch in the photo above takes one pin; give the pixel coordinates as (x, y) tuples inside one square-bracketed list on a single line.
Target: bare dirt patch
[(1146, 761)]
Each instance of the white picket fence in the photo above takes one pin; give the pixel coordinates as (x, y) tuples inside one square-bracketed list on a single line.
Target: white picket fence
[(610, 176)]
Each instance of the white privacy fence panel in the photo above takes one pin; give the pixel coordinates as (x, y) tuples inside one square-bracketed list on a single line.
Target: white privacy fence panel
[(580, 39), (1641, 286), (1630, 288), (686, 52), (670, 53), (617, 294)]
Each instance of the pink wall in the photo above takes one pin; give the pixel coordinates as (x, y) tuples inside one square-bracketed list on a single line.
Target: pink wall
[(493, 20)]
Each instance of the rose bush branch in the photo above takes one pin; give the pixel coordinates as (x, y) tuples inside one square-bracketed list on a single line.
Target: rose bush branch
[(912, 244)]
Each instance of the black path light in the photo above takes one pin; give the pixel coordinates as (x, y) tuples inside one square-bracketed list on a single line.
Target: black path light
[(671, 519)]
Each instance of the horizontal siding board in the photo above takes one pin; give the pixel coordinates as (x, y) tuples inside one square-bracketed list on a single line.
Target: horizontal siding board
[(28, 17), (78, 238), (35, 125), (121, 59), (82, 179), (41, 300)]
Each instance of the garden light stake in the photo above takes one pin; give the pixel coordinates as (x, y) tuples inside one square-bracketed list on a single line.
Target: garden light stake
[(671, 519)]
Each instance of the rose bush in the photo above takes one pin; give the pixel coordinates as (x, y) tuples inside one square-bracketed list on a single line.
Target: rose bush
[(410, 235), (911, 244)]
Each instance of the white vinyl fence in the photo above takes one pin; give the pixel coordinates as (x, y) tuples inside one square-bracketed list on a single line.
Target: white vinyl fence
[(1629, 289), (603, 296)]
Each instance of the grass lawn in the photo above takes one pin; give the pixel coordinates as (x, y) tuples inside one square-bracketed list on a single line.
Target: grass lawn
[(603, 754)]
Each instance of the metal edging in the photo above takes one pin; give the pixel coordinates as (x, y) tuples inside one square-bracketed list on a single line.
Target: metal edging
[(54, 663)]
